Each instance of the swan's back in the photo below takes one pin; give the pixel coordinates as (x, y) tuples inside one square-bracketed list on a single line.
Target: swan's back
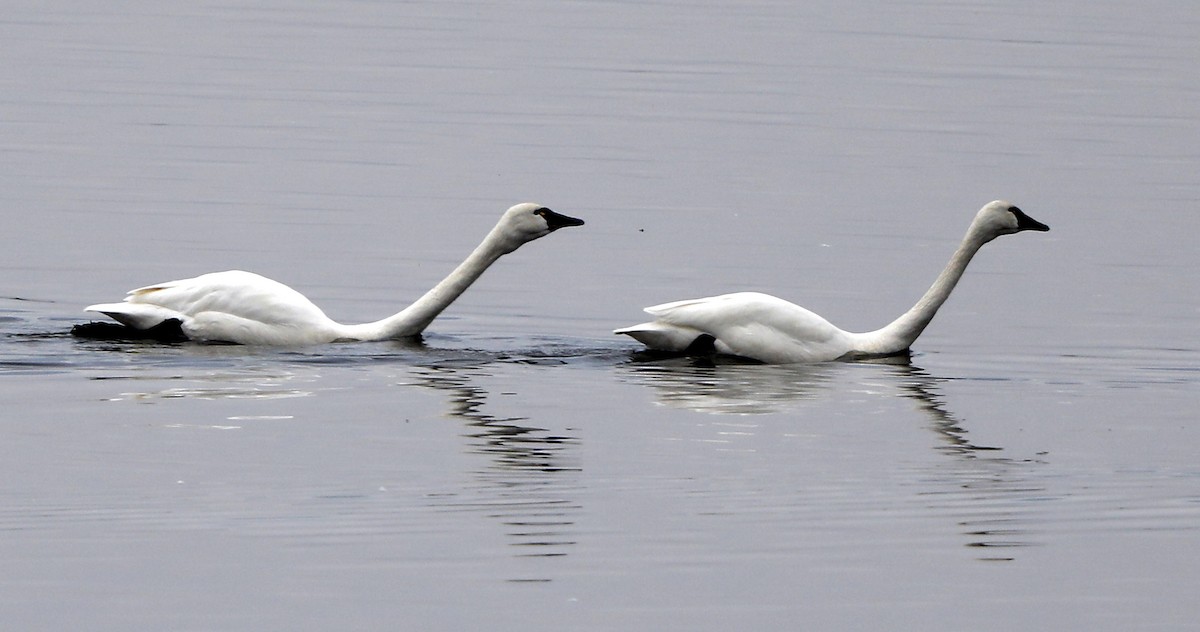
[(753, 325), (740, 308), (230, 306), (233, 292)]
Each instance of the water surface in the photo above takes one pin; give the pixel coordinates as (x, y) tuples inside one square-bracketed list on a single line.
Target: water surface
[(1033, 465)]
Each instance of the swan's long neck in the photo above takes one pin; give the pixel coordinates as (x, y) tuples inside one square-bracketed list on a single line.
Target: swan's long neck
[(413, 319), (900, 334)]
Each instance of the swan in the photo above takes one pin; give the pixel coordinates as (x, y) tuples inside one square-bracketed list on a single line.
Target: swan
[(245, 308), (768, 329)]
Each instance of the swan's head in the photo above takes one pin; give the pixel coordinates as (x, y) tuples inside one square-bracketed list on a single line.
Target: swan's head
[(526, 222), (1002, 218)]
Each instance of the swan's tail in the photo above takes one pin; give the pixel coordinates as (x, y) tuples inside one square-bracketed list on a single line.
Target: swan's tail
[(136, 315), (662, 336)]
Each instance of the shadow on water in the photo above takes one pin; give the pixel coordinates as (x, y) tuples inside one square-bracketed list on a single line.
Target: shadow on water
[(986, 492)]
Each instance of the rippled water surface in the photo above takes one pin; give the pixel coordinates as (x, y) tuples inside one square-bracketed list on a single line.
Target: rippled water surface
[(1032, 466)]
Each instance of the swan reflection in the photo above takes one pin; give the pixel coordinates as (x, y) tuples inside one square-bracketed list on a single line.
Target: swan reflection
[(730, 389), (531, 475), (986, 490)]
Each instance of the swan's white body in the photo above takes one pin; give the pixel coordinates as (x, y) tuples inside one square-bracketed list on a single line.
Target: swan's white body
[(246, 308), (772, 330)]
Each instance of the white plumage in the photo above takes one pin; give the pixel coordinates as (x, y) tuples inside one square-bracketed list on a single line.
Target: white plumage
[(772, 330), (246, 308)]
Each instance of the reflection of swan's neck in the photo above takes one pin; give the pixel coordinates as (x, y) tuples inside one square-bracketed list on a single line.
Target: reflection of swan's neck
[(413, 319), (902, 332)]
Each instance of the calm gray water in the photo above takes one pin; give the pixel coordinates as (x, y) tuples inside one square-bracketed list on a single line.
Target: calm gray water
[(1033, 467)]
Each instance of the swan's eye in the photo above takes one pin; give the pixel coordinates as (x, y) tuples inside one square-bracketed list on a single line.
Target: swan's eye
[(541, 211)]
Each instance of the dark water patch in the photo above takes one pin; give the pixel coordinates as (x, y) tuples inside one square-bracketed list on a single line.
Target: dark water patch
[(168, 331)]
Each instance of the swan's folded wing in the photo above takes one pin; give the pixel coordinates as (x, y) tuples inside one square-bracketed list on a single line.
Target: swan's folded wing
[(742, 309), (244, 295), (756, 325)]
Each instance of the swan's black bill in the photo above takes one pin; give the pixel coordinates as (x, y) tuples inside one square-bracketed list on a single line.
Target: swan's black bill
[(557, 220), (1025, 222)]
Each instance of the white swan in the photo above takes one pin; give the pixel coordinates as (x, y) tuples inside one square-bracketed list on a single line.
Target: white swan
[(769, 329), (243, 307)]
